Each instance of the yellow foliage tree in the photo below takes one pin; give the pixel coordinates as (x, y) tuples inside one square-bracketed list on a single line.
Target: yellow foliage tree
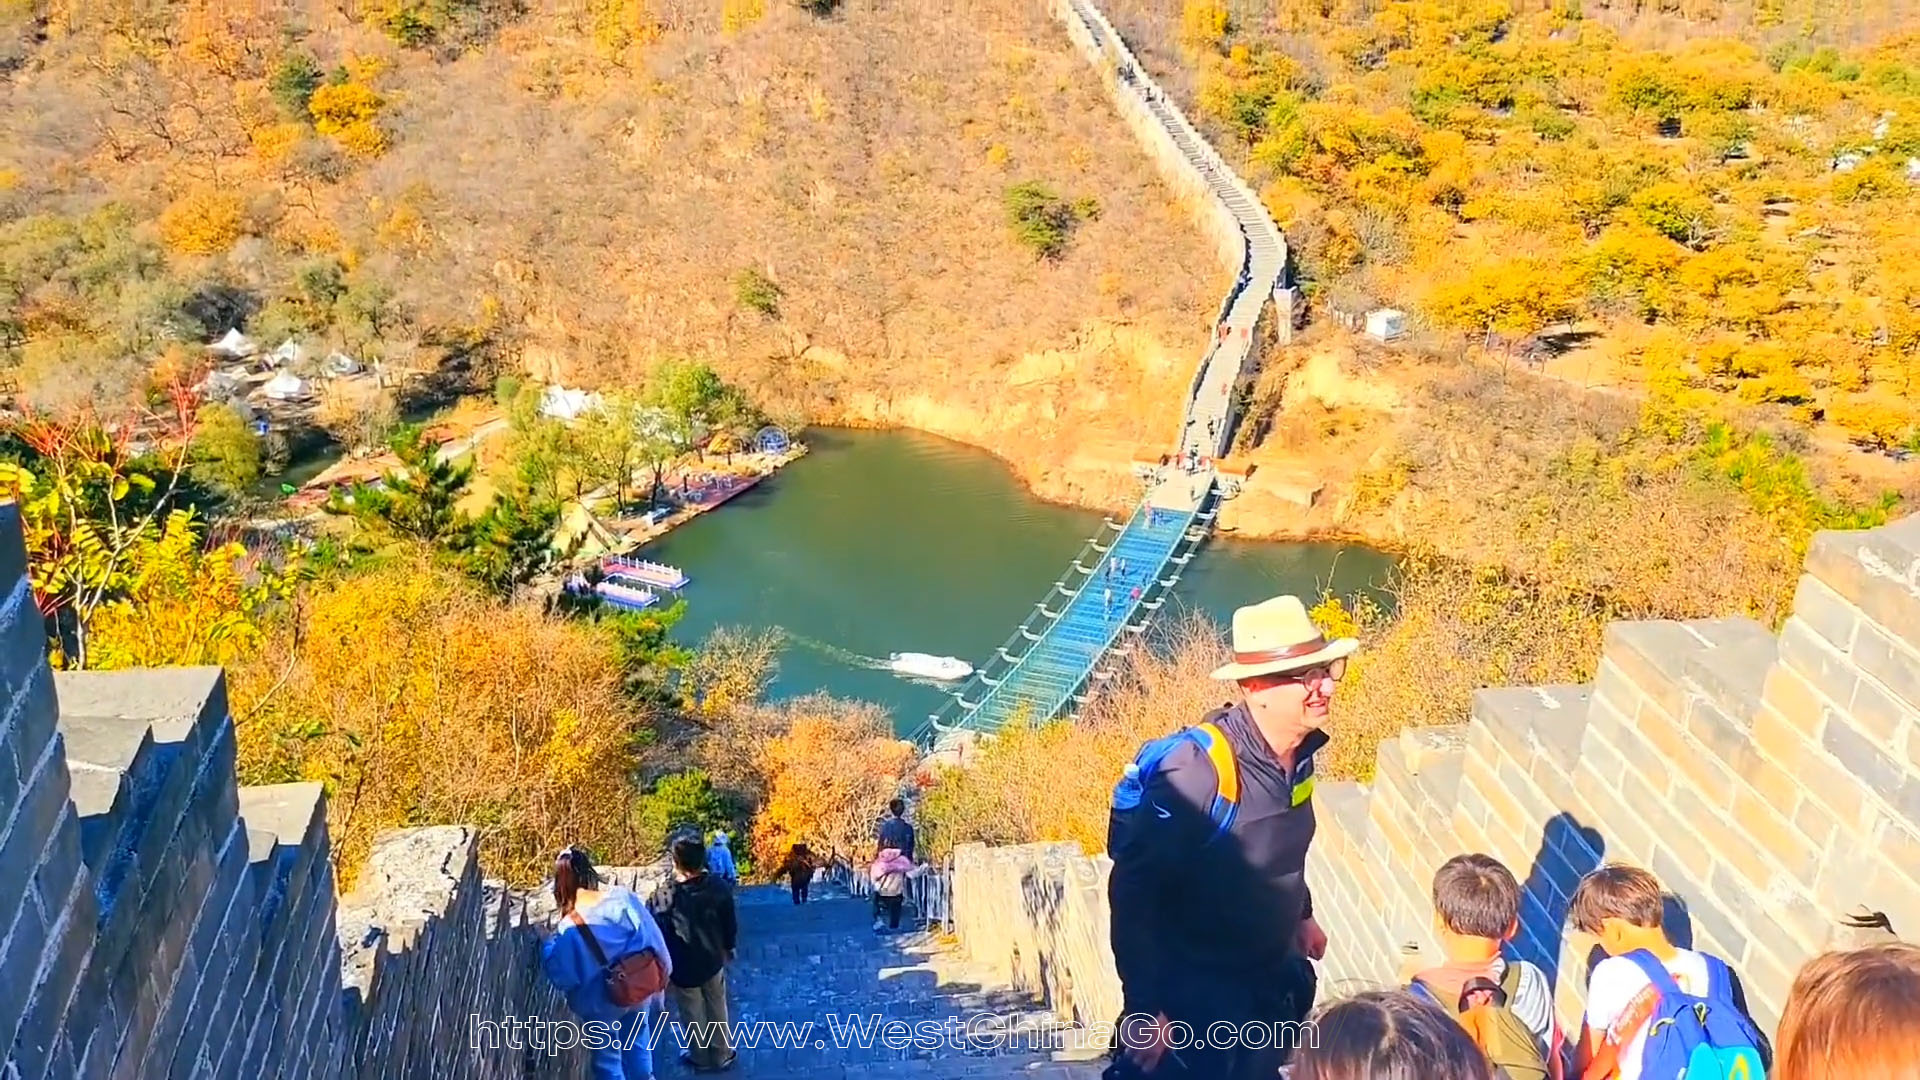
[(185, 605), (338, 106), (203, 222), (1203, 24), (417, 698), (827, 779), (1877, 421), (737, 15), (362, 138), (1512, 296)]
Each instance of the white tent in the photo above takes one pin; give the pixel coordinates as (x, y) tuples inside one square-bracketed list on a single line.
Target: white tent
[(220, 385), (234, 344), (342, 364), (289, 353), (285, 386), (564, 404)]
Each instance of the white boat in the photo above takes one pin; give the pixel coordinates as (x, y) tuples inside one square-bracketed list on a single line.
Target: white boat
[(927, 666)]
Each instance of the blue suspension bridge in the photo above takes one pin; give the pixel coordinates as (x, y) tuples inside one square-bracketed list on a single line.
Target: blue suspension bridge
[(1098, 610)]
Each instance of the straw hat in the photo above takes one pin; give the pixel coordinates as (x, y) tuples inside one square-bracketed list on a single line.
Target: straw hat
[(1277, 635)]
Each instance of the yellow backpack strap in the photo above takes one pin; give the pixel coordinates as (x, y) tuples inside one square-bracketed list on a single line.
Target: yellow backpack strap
[(1226, 801)]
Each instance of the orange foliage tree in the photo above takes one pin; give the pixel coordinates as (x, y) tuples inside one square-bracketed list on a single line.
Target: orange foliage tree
[(828, 777)]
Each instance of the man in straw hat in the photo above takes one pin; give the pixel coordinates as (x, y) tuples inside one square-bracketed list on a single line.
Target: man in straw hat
[(1212, 921)]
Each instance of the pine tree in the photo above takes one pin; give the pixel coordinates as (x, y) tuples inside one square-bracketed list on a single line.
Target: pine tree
[(417, 500)]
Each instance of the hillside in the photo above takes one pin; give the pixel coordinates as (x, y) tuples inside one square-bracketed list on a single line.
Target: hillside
[(1699, 202), (817, 203)]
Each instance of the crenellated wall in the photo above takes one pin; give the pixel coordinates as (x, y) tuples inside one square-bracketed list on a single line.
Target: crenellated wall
[(157, 920), (1772, 782)]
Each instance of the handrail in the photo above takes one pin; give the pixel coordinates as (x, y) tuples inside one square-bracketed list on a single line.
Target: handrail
[(929, 892)]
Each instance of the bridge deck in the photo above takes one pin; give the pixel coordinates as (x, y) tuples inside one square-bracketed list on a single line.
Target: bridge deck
[(1046, 667)]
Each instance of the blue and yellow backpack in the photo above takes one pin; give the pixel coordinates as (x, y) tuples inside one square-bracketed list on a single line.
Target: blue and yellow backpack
[(1212, 742)]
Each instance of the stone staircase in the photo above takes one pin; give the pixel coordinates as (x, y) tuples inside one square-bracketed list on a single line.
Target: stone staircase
[(821, 985)]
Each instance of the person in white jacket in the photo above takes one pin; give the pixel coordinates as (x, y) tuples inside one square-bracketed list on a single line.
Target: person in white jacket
[(621, 925)]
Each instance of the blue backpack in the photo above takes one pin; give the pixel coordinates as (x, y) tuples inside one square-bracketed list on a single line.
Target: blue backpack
[(1213, 742), (1697, 1038)]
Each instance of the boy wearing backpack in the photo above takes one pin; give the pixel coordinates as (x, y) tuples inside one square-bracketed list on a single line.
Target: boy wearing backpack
[(1506, 1005), (1656, 1011)]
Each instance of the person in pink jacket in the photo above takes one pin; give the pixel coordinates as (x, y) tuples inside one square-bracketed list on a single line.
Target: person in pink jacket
[(889, 874)]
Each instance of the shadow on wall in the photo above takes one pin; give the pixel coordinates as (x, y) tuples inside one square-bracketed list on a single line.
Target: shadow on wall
[(1569, 851)]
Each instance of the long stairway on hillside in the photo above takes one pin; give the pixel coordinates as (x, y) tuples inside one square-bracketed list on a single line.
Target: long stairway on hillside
[(1098, 607), (814, 989)]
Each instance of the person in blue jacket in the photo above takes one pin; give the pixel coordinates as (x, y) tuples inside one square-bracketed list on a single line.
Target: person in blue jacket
[(618, 1039)]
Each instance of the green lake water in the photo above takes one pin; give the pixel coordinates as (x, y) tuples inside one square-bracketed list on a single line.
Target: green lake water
[(880, 542)]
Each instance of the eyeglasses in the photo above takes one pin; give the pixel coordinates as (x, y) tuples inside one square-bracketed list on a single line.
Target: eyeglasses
[(1333, 670)]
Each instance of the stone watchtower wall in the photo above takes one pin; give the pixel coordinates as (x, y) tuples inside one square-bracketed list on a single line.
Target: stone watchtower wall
[(1772, 782), (157, 920)]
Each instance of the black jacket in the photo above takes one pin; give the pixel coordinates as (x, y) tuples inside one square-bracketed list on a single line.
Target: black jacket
[(696, 916), (896, 833), (1191, 912)]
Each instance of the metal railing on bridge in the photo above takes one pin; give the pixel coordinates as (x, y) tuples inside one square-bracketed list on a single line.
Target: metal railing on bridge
[(1044, 669)]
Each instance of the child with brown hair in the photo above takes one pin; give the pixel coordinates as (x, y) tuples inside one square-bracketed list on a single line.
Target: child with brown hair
[(1507, 1006), (1854, 1016), (1655, 1011)]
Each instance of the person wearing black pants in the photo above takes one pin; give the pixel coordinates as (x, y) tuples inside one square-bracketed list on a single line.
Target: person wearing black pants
[(890, 906), (798, 870)]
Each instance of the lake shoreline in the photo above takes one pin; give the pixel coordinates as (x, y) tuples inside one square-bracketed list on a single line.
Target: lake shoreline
[(899, 540)]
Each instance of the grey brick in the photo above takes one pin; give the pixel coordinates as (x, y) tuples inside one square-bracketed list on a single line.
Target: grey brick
[(1756, 918), (19, 962), (1874, 571), (1652, 655), (1879, 713), (29, 722), (13, 545), (1599, 755), (62, 958), (1729, 740), (1826, 612), (34, 819), (1879, 772), (12, 777), (1894, 665), (23, 645), (1807, 653), (59, 866), (1730, 672)]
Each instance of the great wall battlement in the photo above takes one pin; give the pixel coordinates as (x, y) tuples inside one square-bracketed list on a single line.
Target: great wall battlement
[(1772, 782), (157, 920)]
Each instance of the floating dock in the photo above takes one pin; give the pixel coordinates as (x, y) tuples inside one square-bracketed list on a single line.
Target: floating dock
[(626, 596), (641, 571)]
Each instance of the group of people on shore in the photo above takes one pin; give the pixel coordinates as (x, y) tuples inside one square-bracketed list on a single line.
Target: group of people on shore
[(1212, 921)]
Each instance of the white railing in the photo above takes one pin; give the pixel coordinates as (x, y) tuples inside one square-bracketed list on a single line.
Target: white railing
[(929, 891)]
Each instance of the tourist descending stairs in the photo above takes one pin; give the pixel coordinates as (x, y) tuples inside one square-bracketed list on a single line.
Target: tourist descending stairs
[(821, 964)]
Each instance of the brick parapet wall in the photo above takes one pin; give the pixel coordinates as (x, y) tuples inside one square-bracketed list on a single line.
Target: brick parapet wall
[(157, 920), (1771, 781)]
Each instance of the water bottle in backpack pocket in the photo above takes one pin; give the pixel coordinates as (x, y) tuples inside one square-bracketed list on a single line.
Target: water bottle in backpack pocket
[(1692, 1037)]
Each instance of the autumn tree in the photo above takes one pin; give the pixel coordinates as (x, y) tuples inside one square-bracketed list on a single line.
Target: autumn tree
[(95, 515), (828, 778), (226, 452), (187, 602), (415, 696)]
